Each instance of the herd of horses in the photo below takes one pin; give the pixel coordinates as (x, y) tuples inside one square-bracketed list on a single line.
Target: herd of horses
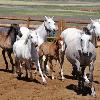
[(30, 47)]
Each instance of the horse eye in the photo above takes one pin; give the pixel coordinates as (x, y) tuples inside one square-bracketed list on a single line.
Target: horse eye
[(93, 27)]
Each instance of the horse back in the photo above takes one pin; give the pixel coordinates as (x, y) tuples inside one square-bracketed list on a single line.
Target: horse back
[(4, 31)]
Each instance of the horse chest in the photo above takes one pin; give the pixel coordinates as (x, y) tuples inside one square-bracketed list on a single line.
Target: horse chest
[(85, 60), (5, 42)]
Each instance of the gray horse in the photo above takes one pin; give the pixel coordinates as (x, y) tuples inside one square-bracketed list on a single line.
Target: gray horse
[(80, 52)]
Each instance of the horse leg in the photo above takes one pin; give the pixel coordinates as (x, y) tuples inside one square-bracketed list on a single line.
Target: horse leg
[(94, 40), (29, 67), (11, 60), (86, 78), (44, 60), (74, 72), (79, 72), (40, 71), (61, 61), (51, 67), (26, 76), (91, 69), (83, 71), (3, 53), (18, 68), (45, 66)]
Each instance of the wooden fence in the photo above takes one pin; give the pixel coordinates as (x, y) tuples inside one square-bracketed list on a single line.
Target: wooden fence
[(62, 24)]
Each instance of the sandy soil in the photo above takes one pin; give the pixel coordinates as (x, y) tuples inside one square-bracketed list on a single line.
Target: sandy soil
[(12, 88)]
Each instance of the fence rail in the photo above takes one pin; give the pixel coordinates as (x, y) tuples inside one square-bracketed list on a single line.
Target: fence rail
[(62, 24), (29, 19)]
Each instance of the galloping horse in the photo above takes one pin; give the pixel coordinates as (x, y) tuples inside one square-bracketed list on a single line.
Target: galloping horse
[(80, 52), (7, 39), (25, 51), (40, 34), (49, 51)]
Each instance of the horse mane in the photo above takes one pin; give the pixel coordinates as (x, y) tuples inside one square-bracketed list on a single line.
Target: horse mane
[(58, 38), (11, 27), (86, 30)]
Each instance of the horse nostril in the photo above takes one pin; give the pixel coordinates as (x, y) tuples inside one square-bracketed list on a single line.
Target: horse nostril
[(54, 30), (86, 53)]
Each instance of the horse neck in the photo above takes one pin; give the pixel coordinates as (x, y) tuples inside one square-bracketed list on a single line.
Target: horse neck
[(32, 50), (41, 31), (75, 44), (12, 35)]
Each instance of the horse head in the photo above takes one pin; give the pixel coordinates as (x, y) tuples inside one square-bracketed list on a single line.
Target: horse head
[(50, 25), (94, 27), (13, 32), (16, 29), (59, 41), (85, 42)]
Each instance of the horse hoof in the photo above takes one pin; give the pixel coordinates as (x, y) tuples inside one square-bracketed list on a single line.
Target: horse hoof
[(44, 83), (13, 71), (46, 76), (53, 78), (35, 72), (63, 78), (87, 81), (15, 74), (26, 77), (93, 95)]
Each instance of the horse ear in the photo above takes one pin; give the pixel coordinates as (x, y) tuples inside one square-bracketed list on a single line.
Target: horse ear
[(46, 17), (99, 20), (52, 17), (91, 20)]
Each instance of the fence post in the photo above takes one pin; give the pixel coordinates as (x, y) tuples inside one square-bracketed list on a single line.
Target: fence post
[(61, 26), (28, 22)]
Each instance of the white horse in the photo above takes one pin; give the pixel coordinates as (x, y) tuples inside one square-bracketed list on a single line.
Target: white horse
[(80, 52), (25, 50), (94, 29), (68, 35), (40, 34)]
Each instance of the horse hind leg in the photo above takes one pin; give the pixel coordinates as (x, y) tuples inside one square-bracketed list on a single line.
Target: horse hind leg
[(26, 72), (45, 67), (40, 71), (51, 67), (11, 60), (91, 69), (61, 61), (74, 72), (3, 53), (18, 68)]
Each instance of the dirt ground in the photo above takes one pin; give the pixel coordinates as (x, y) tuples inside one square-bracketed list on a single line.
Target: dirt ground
[(12, 88)]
